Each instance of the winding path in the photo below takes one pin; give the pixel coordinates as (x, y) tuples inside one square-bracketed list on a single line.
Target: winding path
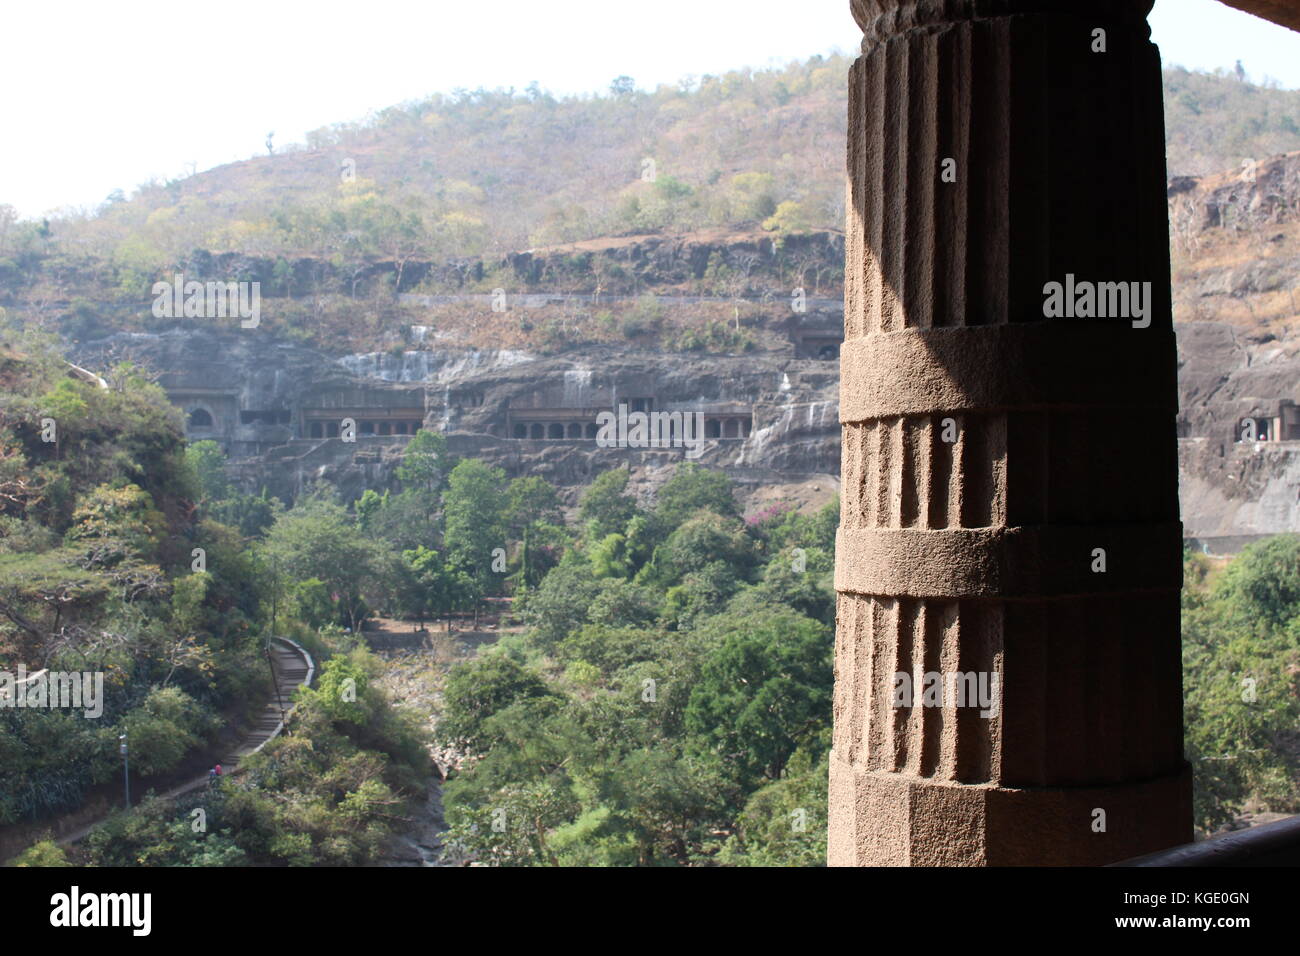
[(293, 667)]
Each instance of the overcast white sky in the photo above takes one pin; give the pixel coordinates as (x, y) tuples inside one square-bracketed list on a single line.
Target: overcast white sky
[(103, 95)]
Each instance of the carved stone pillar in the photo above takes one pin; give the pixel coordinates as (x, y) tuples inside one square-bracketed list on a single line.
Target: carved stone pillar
[(1010, 477)]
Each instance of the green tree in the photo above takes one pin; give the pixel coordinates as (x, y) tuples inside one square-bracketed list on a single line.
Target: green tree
[(790, 219), (400, 522), (764, 689), (317, 540), (752, 195), (784, 822), (368, 507), (1263, 582), (475, 506), (427, 586), (251, 514), (532, 502), (803, 579), (698, 542), (310, 601), (45, 853), (424, 462), (478, 689), (1241, 688), (559, 606), (690, 489), (605, 507), (161, 731), (533, 516), (343, 691), (609, 557), (208, 463)]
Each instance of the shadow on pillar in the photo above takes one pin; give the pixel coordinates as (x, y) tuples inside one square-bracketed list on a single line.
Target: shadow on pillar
[(1010, 536)]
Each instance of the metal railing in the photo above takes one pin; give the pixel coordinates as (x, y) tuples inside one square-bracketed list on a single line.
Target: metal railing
[(1271, 844)]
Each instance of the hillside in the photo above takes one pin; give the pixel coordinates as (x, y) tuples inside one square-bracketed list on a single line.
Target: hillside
[(620, 228), (481, 174), (454, 292), (96, 533)]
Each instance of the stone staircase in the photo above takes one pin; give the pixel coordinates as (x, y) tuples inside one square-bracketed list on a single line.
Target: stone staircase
[(292, 666)]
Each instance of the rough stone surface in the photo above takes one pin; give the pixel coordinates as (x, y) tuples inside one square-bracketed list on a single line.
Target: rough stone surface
[(1282, 12), (989, 452), (790, 406)]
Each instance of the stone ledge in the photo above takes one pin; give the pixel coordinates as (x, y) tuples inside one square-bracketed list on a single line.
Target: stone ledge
[(889, 819), (1047, 561), (1024, 366)]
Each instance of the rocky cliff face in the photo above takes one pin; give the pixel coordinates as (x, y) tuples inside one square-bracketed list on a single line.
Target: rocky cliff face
[(1237, 302), (791, 405), (1232, 486), (1227, 375), (768, 418), (1238, 491), (622, 265), (770, 409)]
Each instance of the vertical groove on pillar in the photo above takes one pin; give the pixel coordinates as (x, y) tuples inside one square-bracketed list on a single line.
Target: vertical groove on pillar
[(1059, 171), (851, 475), (950, 209), (933, 717), (1066, 719), (987, 278), (941, 476), (893, 182), (922, 177), (916, 446), (983, 471), (911, 625), (1030, 205), (1025, 681), (1028, 477), (927, 623), (873, 182), (891, 478), (884, 634)]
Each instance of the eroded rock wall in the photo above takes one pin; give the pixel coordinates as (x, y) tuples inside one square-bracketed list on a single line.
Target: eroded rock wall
[(783, 409)]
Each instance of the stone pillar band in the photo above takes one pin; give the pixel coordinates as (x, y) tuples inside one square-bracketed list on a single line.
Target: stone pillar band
[(1008, 676)]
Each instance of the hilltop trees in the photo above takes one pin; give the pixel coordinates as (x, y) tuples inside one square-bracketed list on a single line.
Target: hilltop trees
[(447, 186), (455, 175)]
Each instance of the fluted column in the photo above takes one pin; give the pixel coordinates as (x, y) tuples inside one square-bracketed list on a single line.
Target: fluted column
[(1010, 500)]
